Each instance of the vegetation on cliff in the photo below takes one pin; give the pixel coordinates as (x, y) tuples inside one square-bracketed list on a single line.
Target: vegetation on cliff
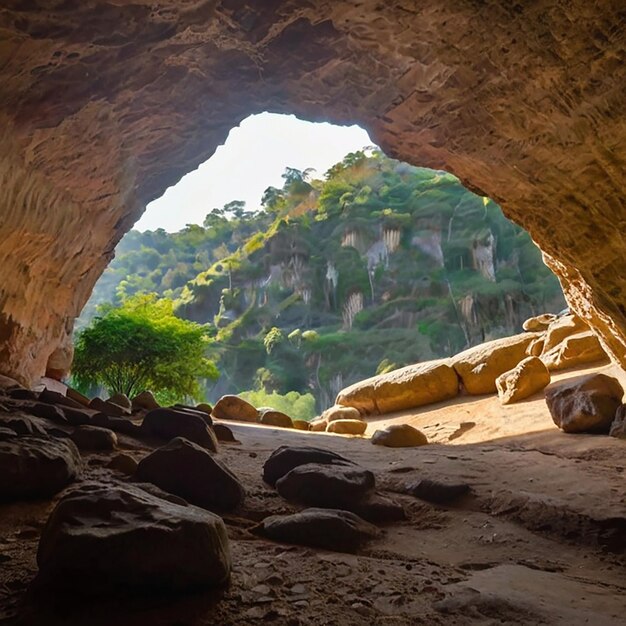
[(378, 265)]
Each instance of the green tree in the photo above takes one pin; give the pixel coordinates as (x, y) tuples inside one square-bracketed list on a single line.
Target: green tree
[(143, 345)]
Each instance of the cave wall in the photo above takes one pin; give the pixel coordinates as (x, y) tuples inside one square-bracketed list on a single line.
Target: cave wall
[(104, 104)]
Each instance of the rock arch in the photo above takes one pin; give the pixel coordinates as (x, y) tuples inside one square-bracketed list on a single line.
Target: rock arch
[(103, 104)]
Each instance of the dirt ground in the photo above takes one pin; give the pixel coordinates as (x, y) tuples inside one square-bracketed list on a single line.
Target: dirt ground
[(541, 540)]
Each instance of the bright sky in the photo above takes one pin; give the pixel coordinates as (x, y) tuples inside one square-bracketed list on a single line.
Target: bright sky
[(253, 158)]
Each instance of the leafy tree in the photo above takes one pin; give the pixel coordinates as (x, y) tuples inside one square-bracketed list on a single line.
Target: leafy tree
[(143, 345)]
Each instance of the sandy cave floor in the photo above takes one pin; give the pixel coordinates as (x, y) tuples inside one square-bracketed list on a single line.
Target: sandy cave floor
[(540, 541)]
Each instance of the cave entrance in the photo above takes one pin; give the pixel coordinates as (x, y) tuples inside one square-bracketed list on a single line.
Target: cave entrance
[(318, 261)]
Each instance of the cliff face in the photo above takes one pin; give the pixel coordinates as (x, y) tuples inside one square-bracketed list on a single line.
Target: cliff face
[(105, 104)]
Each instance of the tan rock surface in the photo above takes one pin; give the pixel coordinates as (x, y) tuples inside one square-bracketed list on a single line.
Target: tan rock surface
[(235, 408), (404, 388), (478, 367), (105, 105), (561, 328), (347, 427), (526, 378), (573, 351)]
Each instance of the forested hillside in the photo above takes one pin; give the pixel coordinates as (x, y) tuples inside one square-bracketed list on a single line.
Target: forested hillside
[(378, 265)]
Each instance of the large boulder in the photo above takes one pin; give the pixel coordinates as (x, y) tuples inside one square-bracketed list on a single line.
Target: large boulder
[(189, 471), (399, 436), (167, 423), (405, 388), (336, 530), (347, 427), (94, 438), (574, 350), (585, 403), (478, 367), (271, 417), (333, 486), (33, 467), (562, 327), (235, 408), (100, 538), (339, 412), (528, 377), (285, 458), (539, 322)]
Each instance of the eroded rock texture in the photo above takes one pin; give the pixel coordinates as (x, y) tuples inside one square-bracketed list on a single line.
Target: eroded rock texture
[(105, 104)]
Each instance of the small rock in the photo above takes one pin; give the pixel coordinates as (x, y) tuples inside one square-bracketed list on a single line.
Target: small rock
[(187, 470), (339, 412), (438, 492), (144, 401), (378, 509), (167, 423), (347, 427), (528, 377), (122, 400), (79, 417), (123, 463), (539, 322), (51, 412), (99, 537), (54, 397), (235, 408), (205, 407), (118, 424), (194, 411), (270, 417), (618, 426), (301, 424), (223, 433), (337, 530), (94, 438), (585, 403), (318, 425), (399, 436), (318, 484)]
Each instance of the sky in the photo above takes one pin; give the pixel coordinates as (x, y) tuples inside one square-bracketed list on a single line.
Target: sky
[(253, 158)]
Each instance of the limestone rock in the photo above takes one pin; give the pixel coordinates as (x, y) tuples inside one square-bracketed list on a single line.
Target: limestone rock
[(235, 408), (123, 463), (103, 537), (317, 484), (301, 424), (339, 412), (561, 328), (271, 417), (144, 401), (167, 423), (438, 492), (405, 388), (347, 427), (618, 426), (190, 472), (574, 350), (539, 322), (336, 530), (32, 467), (122, 400), (399, 436), (478, 367), (585, 403), (527, 378), (94, 438)]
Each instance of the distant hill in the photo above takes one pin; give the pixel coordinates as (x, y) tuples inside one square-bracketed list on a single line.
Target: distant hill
[(379, 265)]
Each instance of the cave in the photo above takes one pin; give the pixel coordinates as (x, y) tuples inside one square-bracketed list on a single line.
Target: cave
[(106, 104)]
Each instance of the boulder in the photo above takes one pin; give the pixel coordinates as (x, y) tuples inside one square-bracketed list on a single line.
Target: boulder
[(101, 538), (528, 377), (190, 472), (23, 424), (167, 423), (223, 433), (478, 367), (585, 403), (333, 486), (22, 394), (108, 408), (339, 412), (574, 350), (347, 427), (438, 492), (118, 424), (123, 463), (94, 438), (318, 425), (285, 458), (51, 412), (121, 399), (336, 530), (56, 397), (33, 467), (399, 436), (144, 401), (301, 424), (197, 412), (270, 417), (378, 509), (72, 394), (618, 425), (539, 322), (562, 327), (405, 388), (79, 417), (205, 408), (234, 408)]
